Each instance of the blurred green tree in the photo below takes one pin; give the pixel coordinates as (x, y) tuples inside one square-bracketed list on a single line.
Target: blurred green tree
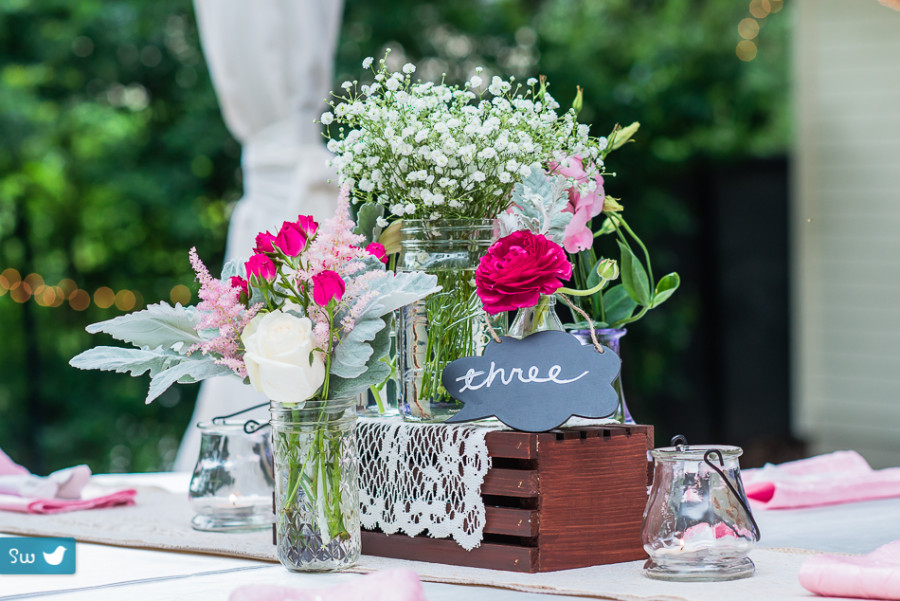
[(114, 161)]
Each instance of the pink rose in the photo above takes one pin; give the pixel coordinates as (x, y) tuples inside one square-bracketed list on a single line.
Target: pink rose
[(291, 239), (261, 267), (517, 269), (584, 206), (264, 242), (377, 250), (327, 285), (240, 284)]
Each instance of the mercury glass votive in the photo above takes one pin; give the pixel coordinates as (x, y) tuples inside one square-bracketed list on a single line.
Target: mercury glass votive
[(697, 524), (231, 488)]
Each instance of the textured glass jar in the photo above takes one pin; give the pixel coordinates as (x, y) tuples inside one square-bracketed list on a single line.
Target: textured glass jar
[(231, 488), (447, 325), (611, 339), (316, 487), (380, 400), (697, 527), (540, 318)]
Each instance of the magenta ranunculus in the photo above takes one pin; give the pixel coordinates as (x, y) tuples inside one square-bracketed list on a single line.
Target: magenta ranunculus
[(291, 239), (327, 285), (517, 269), (264, 242), (241, 285), (377, 250), (578, 236), (261, 267)]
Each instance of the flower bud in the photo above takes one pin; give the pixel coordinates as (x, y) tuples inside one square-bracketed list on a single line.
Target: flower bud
[(611, 205), (624, 134), (608, 269), (578, 103)]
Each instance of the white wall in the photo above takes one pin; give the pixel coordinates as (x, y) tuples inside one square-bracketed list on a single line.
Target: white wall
[(846, 228)]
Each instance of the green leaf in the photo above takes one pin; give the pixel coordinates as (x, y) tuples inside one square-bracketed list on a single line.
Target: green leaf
[(665, 288), (634, 277), (376, 371), (126, 360), (352, 355), (157, 325), (367, 221), (618, 304), (191, 369)]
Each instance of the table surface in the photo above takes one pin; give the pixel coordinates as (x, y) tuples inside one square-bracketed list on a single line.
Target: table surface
[(106, 572)]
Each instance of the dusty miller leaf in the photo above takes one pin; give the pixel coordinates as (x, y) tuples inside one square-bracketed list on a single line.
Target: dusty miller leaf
[(157, 325)]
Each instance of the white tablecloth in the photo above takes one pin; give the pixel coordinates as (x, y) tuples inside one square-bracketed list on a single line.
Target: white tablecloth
[(106, 572)]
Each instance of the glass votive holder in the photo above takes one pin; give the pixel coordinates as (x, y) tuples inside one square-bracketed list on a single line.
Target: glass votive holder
[(231, 488), (697, 523)]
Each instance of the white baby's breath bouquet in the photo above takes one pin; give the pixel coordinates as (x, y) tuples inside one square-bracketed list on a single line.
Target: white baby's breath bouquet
[(424, 150)]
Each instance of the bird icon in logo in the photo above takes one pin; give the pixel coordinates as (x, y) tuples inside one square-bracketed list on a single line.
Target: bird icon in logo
[(55, 558)]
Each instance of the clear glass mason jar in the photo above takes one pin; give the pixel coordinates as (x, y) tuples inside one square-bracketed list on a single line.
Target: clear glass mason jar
[(447, 325), (316, 486), (697, 524), (540, 318), (611, 338), (231, 487)]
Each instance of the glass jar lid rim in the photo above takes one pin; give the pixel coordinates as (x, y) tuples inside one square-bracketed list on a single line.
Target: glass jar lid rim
[(223, 425), (696, 452)]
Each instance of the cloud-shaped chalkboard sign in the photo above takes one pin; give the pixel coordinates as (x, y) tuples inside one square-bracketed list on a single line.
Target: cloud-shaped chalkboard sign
[(534, 384)]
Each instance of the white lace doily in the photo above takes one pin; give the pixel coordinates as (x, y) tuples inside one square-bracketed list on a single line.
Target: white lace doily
[(415, 478)]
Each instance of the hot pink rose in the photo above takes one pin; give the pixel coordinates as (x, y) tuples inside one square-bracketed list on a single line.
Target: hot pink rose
[(240, 284), (377, 250), (307, 225), (291, 239), (584, 206), (261, 267), (517, 269), (264, 242), (327, 285)]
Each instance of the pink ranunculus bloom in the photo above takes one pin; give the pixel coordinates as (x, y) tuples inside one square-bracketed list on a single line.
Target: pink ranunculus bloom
[(241, 284), (261, 267), (264, 242), (327, 285), (291, 240), (517, 269), (584, 206), (307, 225), (377, 250)]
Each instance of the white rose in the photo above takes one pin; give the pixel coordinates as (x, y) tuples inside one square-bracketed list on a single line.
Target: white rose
[(280, 359)]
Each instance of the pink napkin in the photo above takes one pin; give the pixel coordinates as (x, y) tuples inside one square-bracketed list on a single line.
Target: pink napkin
[(872, 576), (59, 492), (388, 585), (840, 477)]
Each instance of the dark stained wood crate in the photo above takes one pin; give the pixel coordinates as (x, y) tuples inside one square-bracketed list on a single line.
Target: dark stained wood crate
[(554, 501)]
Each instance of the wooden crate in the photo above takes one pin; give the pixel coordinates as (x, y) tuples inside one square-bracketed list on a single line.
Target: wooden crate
[(554, 501)]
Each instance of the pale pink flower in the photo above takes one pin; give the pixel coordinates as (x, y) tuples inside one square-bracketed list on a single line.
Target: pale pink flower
[(584, 203)]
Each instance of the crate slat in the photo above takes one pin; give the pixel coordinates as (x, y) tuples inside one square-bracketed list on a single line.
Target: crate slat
[(509, 521), (492, 556), (510, 483)]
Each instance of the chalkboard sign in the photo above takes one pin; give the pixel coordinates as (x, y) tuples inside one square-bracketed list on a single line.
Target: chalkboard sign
[(534, 384)]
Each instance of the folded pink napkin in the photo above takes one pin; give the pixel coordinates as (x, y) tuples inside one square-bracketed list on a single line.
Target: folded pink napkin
[(59, 492), (388, 585), (872, 576), (840, 477)]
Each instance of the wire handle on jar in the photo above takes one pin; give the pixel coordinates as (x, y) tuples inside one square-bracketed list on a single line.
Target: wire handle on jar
[(731, 487), (251, 426)]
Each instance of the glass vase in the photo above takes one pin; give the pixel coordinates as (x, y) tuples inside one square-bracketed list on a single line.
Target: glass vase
[(231, 487), (448, 325), (540, 318), (316, 487), (611, 339), (380, 400)]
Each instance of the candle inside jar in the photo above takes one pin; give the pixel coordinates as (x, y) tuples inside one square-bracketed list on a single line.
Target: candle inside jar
[(703, 537)]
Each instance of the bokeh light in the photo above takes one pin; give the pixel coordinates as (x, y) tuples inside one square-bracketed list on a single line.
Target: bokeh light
[(104, 297), (79, 300), (20, 292), (125, 300), (180, 294), (760, 8), (748, 28), (746, 50), (68, 286)]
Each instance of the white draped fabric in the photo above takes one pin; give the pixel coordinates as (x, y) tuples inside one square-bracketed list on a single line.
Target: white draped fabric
[(271, 65)]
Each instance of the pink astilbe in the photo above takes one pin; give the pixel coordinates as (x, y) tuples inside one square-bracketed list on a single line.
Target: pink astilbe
[(221, 310), (335, 245)]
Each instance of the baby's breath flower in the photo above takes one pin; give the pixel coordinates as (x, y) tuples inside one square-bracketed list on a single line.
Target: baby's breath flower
[(367, 62)]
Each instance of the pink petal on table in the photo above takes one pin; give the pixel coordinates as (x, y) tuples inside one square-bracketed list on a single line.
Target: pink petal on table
[(388, 585), (872, 576)]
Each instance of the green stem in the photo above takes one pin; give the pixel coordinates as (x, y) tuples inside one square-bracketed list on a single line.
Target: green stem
[(588, 292), (376, 392), (620, 221)]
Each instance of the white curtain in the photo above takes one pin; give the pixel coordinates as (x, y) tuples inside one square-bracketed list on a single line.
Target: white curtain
[(271, 65)]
